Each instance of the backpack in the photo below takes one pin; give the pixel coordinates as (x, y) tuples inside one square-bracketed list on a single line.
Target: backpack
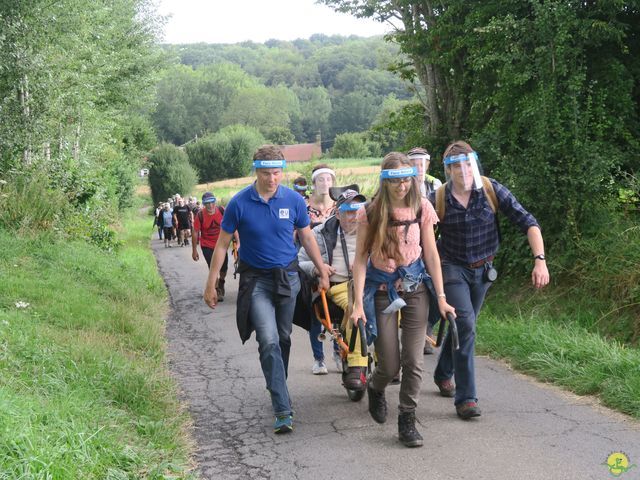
[(201, 218), (488, 189)]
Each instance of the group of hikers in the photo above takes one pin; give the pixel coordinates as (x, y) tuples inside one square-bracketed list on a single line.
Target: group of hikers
[(415, 252), (174, 219)]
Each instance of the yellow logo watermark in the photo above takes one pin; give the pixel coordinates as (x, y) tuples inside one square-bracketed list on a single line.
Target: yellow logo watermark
[(618, 463)]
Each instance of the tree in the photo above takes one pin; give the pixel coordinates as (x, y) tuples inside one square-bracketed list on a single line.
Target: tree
[(170, 173), (349, 145)]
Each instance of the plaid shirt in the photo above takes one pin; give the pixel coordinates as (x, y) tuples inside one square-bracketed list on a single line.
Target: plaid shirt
[(468, 235)]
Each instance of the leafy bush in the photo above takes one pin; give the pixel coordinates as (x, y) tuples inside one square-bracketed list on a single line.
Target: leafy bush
[(225, 154), (170, 173), (29, 204), (349, 145)]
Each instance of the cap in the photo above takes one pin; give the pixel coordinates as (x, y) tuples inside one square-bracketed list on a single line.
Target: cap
[(349, 195), (208, 197)]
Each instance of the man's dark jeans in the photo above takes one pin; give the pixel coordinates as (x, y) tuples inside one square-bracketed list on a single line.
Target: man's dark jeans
[(465, 289)]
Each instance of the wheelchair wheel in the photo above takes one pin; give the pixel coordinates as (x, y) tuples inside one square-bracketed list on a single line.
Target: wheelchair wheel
[(355, 395)]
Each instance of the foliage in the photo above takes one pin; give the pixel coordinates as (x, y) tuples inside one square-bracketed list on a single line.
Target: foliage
[(226, 154), (544, 90), (170, 173), (191, 102), (323, 85), (349, 145), (85, 392), (75, 79)]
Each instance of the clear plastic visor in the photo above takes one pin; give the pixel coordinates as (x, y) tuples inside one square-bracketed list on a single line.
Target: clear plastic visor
[(463, 171)]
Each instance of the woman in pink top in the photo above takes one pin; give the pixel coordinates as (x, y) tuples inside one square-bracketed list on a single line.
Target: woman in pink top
[(392, 232), (320, 204)]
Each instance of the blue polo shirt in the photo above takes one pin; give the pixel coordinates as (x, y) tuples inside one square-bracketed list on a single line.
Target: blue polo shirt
[(266, 228)]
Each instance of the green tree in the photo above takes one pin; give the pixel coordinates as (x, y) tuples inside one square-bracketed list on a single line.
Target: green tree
[(170, 173), (350, 145)]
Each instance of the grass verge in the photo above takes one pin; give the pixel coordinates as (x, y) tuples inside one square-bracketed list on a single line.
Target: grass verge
[(562, 351), (84, 388)]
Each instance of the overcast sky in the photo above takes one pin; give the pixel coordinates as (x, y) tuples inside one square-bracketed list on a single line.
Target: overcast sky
[(232, 21)]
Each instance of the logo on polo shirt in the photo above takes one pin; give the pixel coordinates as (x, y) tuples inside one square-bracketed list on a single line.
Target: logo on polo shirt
[(284, 213)]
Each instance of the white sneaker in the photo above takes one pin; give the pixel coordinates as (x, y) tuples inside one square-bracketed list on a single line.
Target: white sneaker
[(338, 361), (319, 368)]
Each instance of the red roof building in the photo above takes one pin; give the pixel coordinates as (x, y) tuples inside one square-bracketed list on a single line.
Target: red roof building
[(302, 152)]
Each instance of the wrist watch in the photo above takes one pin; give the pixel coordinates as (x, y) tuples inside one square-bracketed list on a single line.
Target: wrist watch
[(540, 257)]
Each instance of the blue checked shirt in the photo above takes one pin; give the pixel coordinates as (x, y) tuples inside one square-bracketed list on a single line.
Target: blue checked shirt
[(468, 235)]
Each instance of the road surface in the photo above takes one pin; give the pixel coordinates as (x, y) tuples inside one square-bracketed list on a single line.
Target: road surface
[(528, 430)]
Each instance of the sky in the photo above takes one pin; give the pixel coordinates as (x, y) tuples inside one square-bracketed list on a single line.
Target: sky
[(233, 21)]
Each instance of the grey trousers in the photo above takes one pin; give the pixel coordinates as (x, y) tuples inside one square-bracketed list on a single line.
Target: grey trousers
[(389, 358)]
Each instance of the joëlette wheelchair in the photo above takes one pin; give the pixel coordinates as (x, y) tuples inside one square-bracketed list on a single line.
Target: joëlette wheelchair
[(330, 316)]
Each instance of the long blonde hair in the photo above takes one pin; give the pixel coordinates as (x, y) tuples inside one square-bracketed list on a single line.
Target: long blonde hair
[(381, 237)]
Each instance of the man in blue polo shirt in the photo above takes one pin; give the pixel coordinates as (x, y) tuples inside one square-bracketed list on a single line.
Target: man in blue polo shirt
[(265, 215)]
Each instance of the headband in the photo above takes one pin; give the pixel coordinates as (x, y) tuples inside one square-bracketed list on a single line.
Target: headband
[(399, 172), (463, 157), (269, 163), (209, 200), (351, 207), (420, 156), (320, 171), (300, 188)]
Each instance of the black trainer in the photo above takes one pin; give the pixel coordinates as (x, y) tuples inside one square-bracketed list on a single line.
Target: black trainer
[(407, 432), (377, 404)]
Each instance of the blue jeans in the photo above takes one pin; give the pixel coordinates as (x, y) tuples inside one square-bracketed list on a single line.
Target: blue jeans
[(316, 345), (465, 289), (272, 319)]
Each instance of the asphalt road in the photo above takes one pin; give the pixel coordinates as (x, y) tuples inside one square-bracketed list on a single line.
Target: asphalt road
[(528, 430)]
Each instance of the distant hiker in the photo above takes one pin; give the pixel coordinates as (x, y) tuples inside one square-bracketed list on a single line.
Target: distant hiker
[(469, 237), (421, 159), (337, 241), (265, 215), (206, 231), (395, 241), (156, 219), (300, 186), (321, 205), (166, 222), (183, 219)]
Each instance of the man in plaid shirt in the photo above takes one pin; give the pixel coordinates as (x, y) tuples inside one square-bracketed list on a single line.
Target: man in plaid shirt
[(468, 242)]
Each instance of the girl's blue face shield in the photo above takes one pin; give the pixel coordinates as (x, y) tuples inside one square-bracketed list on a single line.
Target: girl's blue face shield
[(351, 207), (395, 175), (269, 163)]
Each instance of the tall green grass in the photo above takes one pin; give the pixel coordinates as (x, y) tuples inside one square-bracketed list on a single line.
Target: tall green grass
[(567, 355), (84, 389)]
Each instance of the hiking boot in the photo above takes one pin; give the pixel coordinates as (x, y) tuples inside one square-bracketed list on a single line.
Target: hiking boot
[(283, 424), (468, 409), (377, 404), (186, 242), (337, 359), (354, 378), (446, 387), (319, 368), (407, 432)]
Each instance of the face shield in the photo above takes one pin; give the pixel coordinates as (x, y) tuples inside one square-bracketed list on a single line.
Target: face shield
[(398, 175), (419, 160), (463, 171)]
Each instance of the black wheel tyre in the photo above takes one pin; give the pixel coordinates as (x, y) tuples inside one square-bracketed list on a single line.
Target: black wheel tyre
[(355, 395)]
